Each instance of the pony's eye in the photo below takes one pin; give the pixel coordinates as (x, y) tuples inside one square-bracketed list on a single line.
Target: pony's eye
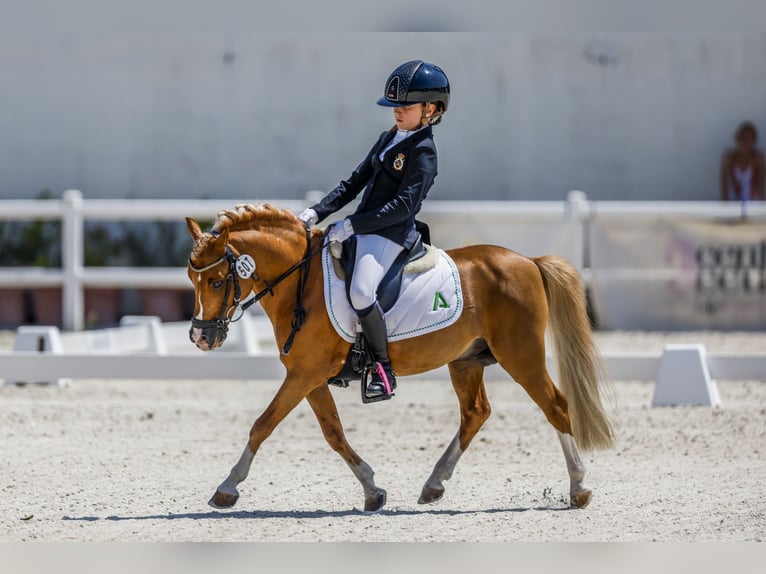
[(217, 284)]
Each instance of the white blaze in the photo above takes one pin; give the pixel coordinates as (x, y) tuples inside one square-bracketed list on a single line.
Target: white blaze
[(199, 297), (196, 332)]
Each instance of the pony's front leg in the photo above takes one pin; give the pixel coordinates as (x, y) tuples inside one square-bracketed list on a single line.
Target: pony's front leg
[(289, 395), (579, 496), (324, 408), (226, 494)]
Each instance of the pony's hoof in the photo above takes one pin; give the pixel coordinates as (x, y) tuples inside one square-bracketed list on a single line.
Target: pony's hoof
[(581, 499), (430, 494), (223, 499), (376, 501)]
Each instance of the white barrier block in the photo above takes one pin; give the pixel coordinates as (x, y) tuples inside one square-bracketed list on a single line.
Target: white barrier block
[(683, 378), (248, 335), (153, 324), (39, 339), (100, 341)]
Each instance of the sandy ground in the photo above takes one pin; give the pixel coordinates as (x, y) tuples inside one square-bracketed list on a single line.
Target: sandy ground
[(137, 461)]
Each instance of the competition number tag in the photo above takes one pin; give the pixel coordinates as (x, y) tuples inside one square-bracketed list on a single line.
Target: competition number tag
[(245, 266)]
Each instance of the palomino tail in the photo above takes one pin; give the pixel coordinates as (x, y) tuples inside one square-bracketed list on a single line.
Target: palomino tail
[(580, 374)]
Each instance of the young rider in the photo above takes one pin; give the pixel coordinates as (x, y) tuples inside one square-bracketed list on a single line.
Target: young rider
[(396, 176)]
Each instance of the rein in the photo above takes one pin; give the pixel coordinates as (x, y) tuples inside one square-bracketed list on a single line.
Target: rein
[(221, 324)]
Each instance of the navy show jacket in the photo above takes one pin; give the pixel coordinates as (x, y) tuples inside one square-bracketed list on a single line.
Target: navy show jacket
[(394, 188)]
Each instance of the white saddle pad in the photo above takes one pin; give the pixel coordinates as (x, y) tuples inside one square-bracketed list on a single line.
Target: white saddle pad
[(427, 302)]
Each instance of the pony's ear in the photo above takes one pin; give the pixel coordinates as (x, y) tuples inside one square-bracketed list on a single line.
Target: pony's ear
[(222, 241), (194, 229)]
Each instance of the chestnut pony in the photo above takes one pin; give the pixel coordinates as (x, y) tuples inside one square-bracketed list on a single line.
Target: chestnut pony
[(509, 300)]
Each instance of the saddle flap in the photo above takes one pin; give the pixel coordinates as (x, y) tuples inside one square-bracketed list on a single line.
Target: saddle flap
[(427, 301)]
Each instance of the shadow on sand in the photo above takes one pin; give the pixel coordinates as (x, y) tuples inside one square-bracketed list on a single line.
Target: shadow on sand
[(306, 514)]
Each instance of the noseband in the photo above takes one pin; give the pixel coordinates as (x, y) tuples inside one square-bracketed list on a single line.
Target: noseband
[(220, 326)]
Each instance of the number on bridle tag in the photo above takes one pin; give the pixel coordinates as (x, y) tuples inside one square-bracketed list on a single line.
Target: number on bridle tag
[(245, 266)]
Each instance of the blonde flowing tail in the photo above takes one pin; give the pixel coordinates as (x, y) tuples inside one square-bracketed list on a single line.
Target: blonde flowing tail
[(581, 375)]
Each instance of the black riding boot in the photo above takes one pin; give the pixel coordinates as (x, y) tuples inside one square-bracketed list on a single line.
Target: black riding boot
[(374, 328)]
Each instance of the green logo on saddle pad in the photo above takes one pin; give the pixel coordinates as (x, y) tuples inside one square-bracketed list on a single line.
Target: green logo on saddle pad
[(440, 302)]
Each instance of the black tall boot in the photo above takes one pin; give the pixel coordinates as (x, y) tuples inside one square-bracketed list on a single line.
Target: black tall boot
[(373, 323)]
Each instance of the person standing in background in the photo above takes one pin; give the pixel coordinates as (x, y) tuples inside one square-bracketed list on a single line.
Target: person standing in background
[(742, 167)]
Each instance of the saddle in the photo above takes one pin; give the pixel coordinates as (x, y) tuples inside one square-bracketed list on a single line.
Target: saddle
[(421, 257)]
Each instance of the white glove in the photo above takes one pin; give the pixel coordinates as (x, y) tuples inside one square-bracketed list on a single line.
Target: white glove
[(309, 217), (340, 231)]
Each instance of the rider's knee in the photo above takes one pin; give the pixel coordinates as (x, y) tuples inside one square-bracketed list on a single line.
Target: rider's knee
[(361, 296)]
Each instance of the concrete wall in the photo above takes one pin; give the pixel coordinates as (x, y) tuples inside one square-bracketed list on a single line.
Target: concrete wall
[(269, 116)]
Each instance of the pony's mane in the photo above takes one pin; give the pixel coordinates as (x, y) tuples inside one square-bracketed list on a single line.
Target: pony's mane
[(249, 216)]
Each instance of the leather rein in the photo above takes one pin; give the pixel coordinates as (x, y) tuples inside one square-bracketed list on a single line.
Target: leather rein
[(221, 324)]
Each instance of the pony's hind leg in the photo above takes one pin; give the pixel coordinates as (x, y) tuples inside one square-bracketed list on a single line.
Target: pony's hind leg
[(468, 381), (553, 403), (527, 367), (323, 405), (579, 496)]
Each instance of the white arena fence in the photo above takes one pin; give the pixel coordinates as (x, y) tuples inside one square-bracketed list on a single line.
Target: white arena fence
[(648, 265)]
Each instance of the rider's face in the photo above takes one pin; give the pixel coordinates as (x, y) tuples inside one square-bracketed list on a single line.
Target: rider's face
[(408, 117)]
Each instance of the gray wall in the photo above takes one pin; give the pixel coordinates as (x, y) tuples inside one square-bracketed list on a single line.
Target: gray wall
[(269, 116)]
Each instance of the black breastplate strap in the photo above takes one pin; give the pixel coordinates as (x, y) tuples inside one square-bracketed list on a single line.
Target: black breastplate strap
[(299, 313)]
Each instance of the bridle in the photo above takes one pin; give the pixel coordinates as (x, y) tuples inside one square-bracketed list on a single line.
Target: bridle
[(220, 326)]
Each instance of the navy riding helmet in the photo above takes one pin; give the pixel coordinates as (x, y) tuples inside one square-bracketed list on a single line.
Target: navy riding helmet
[(416, 82)]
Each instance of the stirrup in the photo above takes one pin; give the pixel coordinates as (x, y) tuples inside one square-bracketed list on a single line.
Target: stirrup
[(387, 386)]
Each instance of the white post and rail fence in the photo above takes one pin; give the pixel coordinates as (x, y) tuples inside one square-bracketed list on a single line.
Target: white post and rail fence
[(648, 265)]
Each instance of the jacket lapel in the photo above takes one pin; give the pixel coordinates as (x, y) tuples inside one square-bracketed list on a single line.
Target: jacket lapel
[(403, 145), (382, 145)]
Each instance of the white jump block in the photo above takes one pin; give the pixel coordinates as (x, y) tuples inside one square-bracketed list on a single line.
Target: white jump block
[(39, 339), (153, 323), (683, 378)]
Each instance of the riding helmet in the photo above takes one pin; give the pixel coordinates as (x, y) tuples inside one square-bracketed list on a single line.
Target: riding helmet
[(416, 82)]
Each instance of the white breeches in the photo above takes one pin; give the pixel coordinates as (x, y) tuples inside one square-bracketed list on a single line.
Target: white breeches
[(374, 257)]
